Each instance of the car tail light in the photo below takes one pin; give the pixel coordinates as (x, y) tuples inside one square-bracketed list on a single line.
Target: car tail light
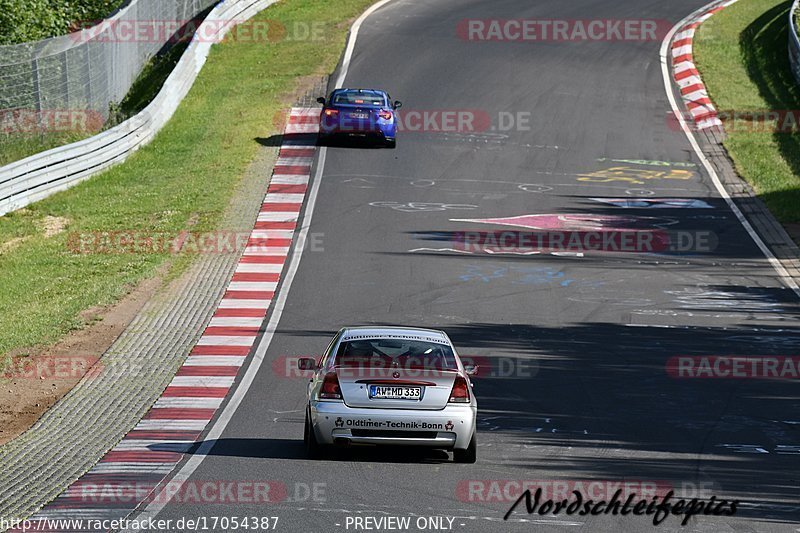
[(385, 115), (330, 387), (460, 392), (331, 112)]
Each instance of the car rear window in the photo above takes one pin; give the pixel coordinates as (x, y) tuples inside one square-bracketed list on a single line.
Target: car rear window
[(391, 353), (357, 98)]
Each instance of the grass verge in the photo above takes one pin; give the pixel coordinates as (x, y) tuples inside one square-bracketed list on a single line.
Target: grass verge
[(19, 146), (742, 55), (184, 178)]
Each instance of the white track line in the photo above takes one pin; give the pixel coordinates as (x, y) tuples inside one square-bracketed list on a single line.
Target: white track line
[(351, 44), (785, 277)]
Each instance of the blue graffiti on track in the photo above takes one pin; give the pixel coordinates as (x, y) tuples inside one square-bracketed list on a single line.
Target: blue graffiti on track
[(524, 276)]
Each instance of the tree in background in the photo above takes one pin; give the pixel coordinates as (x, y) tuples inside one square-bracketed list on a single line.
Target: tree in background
[(32, 20)]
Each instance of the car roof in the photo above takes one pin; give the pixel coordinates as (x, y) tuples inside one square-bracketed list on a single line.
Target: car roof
[(394, 332)]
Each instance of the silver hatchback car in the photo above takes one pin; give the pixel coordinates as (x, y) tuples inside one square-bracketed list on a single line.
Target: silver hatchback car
[(391, 385)]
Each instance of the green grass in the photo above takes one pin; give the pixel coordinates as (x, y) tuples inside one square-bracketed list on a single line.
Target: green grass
[(742, 55), (150, 80), (19, 146), (31, 20), (185, 176)]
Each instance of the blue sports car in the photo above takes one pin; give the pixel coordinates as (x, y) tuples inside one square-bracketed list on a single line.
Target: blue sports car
[(368, 113)]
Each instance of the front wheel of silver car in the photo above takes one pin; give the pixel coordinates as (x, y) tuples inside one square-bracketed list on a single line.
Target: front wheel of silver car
[(470, 455), (313, 449)]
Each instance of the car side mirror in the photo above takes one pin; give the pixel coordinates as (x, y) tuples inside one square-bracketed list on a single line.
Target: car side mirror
[(321, 100), (306, 363), (471, 370), (397, 104)]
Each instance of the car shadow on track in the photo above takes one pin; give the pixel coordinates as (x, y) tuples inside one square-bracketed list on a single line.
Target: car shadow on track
[(294, 449), (307, 139)]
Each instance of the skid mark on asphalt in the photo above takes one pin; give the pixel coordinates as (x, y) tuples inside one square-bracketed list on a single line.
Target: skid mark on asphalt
[(784, 341), (463, 186), (371, 181), (494, 252), (577, 222), (751, 302), (417, 207), (491, 140)]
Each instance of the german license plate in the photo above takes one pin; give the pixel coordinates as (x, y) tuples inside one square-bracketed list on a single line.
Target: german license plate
[(361, 116), (395, 393)]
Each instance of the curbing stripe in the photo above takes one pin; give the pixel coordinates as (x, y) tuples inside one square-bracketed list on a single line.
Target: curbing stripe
[(259, 304), (180, 401), (236, 321), (201, 381), (266, 277), (215, 360), (267, 268), (693, 92), (226, 340), (249, 331), (218, 426), (193, 392), (180, 413), (219, 350), (208, 371), (240, 312)]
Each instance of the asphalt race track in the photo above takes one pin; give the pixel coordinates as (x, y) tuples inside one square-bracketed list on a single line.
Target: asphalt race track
[(577, 346)]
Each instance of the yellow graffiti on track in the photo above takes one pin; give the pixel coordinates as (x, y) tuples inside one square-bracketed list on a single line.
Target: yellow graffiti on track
[(634, 175)]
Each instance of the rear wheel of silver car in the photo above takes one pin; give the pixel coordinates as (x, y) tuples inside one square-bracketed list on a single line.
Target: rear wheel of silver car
[(313, 449), (470, 455)]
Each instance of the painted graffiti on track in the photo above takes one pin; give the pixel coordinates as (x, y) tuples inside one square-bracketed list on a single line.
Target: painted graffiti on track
[(655, 203), (634, 175)]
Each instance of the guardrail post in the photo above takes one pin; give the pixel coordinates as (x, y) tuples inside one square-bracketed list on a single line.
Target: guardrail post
[(65, 78), (88, 60), (37, 92)]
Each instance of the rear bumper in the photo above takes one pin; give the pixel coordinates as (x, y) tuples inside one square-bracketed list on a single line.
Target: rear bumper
[(387, 131), (451, 427)]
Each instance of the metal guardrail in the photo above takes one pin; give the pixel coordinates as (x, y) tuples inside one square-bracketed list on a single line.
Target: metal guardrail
[(34, 178), (794, 42)]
